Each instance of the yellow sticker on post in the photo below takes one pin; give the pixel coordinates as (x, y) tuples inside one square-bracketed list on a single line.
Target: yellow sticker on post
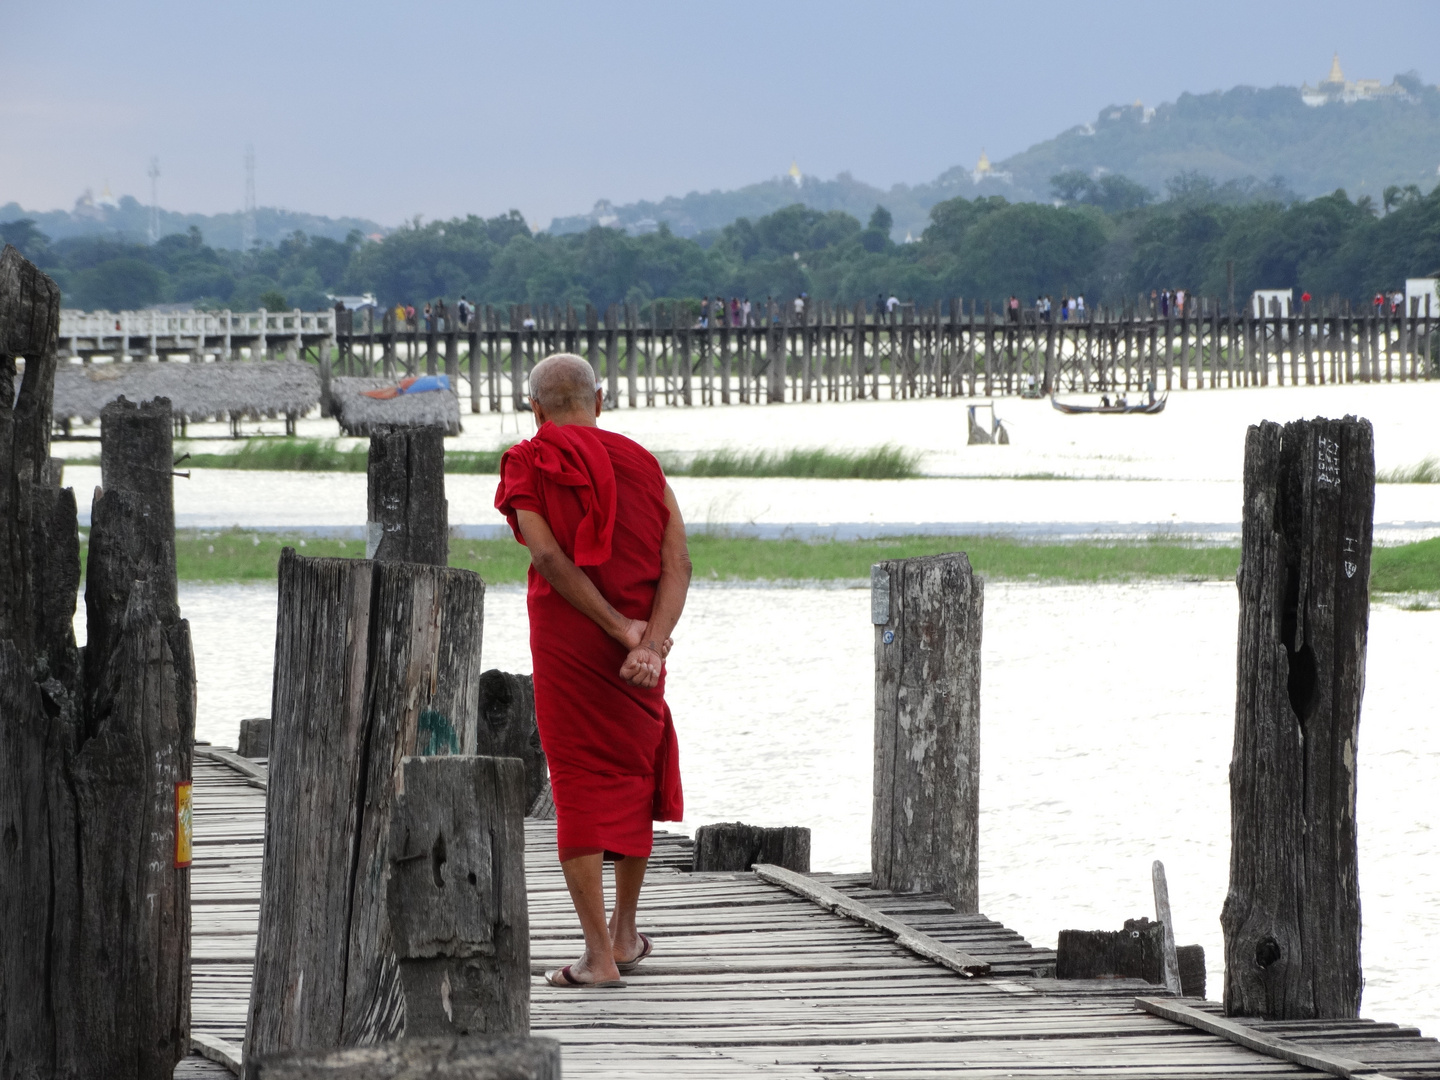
[(184, 834)]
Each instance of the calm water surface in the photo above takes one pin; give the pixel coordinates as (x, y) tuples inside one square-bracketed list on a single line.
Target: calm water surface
[(1107, 717)]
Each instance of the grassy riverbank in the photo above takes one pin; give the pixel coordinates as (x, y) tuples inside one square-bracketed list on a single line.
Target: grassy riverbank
[(237, 555), (887, 462)]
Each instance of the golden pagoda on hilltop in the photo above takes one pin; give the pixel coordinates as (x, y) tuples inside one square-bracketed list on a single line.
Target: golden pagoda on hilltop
[(985, 171), (1335, 87), (794, 173)]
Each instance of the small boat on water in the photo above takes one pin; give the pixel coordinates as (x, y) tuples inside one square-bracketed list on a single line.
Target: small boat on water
[(1146, 408)]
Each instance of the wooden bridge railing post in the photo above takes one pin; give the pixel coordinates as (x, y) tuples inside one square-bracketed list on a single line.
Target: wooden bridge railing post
[(407, 518), (456, 896), (927, 614), (374, 662), (1292, 915)]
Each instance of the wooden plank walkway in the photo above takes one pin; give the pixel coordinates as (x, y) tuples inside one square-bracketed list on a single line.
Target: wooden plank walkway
[(749, 980)]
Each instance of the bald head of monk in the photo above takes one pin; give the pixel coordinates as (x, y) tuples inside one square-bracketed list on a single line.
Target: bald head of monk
[(563, 391)]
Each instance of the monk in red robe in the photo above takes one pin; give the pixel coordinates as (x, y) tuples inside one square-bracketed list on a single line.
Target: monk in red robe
[(609, 571)]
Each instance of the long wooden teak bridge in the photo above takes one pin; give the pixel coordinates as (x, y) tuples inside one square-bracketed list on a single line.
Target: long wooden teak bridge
[(821, 352)]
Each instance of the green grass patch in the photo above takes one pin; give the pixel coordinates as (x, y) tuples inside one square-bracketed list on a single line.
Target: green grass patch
[(1426, 471), (998, 558), (237, 555), (1406, 567), (888, 462), (326, 455)]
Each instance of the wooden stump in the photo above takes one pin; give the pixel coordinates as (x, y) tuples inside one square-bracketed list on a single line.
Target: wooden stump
[(456, 896), (254, 741), (1292, 913), (925, 830), (94, 762), (408, 517), (374, 662), (1136, 952), (1192, 970), (434, 1059), (734, 846), (507, 728)]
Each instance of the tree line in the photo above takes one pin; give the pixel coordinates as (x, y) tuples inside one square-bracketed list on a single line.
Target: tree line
[(1107, 239)]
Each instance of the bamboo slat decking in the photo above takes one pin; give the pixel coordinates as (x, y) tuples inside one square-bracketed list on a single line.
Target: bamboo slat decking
[(749, 980)]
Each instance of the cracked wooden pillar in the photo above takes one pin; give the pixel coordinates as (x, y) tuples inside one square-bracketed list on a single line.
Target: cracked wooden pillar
[(924, 834), (407, 518), (374, 662), (456, 896), (94, 890), (1292, 913)]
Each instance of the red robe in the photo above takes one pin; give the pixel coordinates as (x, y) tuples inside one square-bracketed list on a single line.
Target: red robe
[(614, 762)]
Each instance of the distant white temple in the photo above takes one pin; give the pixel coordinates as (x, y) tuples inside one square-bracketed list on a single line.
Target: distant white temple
[(1335, 87)]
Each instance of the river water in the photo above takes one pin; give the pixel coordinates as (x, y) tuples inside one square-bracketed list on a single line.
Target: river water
[(1107, 715)]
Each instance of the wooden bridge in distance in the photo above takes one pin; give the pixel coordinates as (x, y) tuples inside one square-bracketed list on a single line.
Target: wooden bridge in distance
[(823, 352), (751, 980)]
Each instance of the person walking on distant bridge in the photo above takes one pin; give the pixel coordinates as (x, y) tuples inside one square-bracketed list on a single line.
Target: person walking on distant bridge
[(609, 571)]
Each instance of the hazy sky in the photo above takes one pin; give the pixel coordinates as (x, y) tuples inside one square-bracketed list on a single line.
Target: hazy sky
[(389, 110)]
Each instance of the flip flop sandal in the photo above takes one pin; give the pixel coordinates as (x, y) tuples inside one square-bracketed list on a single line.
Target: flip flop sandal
[(563, 979), (646, 948)]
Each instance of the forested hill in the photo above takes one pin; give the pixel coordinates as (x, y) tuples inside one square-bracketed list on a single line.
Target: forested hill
[(1363, 146), (1254, 137), (129, 220)]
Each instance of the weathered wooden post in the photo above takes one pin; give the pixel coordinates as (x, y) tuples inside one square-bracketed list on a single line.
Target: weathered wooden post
[(507, 728), (924, 835), (408, 517), (374, 662), (434, 1059), (94, 775), (254, 740), (735, 846), (456, 896), (1292, 914)]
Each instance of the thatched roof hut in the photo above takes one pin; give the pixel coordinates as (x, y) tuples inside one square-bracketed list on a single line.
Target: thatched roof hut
[(221, 390), (361, 415)]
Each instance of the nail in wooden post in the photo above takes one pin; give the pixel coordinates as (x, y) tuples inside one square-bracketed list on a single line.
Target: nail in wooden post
[(456, 896), (924, 835), (1292, 914)]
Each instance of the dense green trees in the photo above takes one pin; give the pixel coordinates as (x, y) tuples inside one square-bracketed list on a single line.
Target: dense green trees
[(1105, 238)]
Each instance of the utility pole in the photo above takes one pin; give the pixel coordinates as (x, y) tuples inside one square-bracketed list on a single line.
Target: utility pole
[(247, 227), (154, 199)]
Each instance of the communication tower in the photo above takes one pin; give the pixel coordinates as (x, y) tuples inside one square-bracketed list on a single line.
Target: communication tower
[(247, 227), (154, 199)]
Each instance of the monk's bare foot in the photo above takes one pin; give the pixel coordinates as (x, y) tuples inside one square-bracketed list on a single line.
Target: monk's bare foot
[(631, 950), (583, 971), (627, 947)]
